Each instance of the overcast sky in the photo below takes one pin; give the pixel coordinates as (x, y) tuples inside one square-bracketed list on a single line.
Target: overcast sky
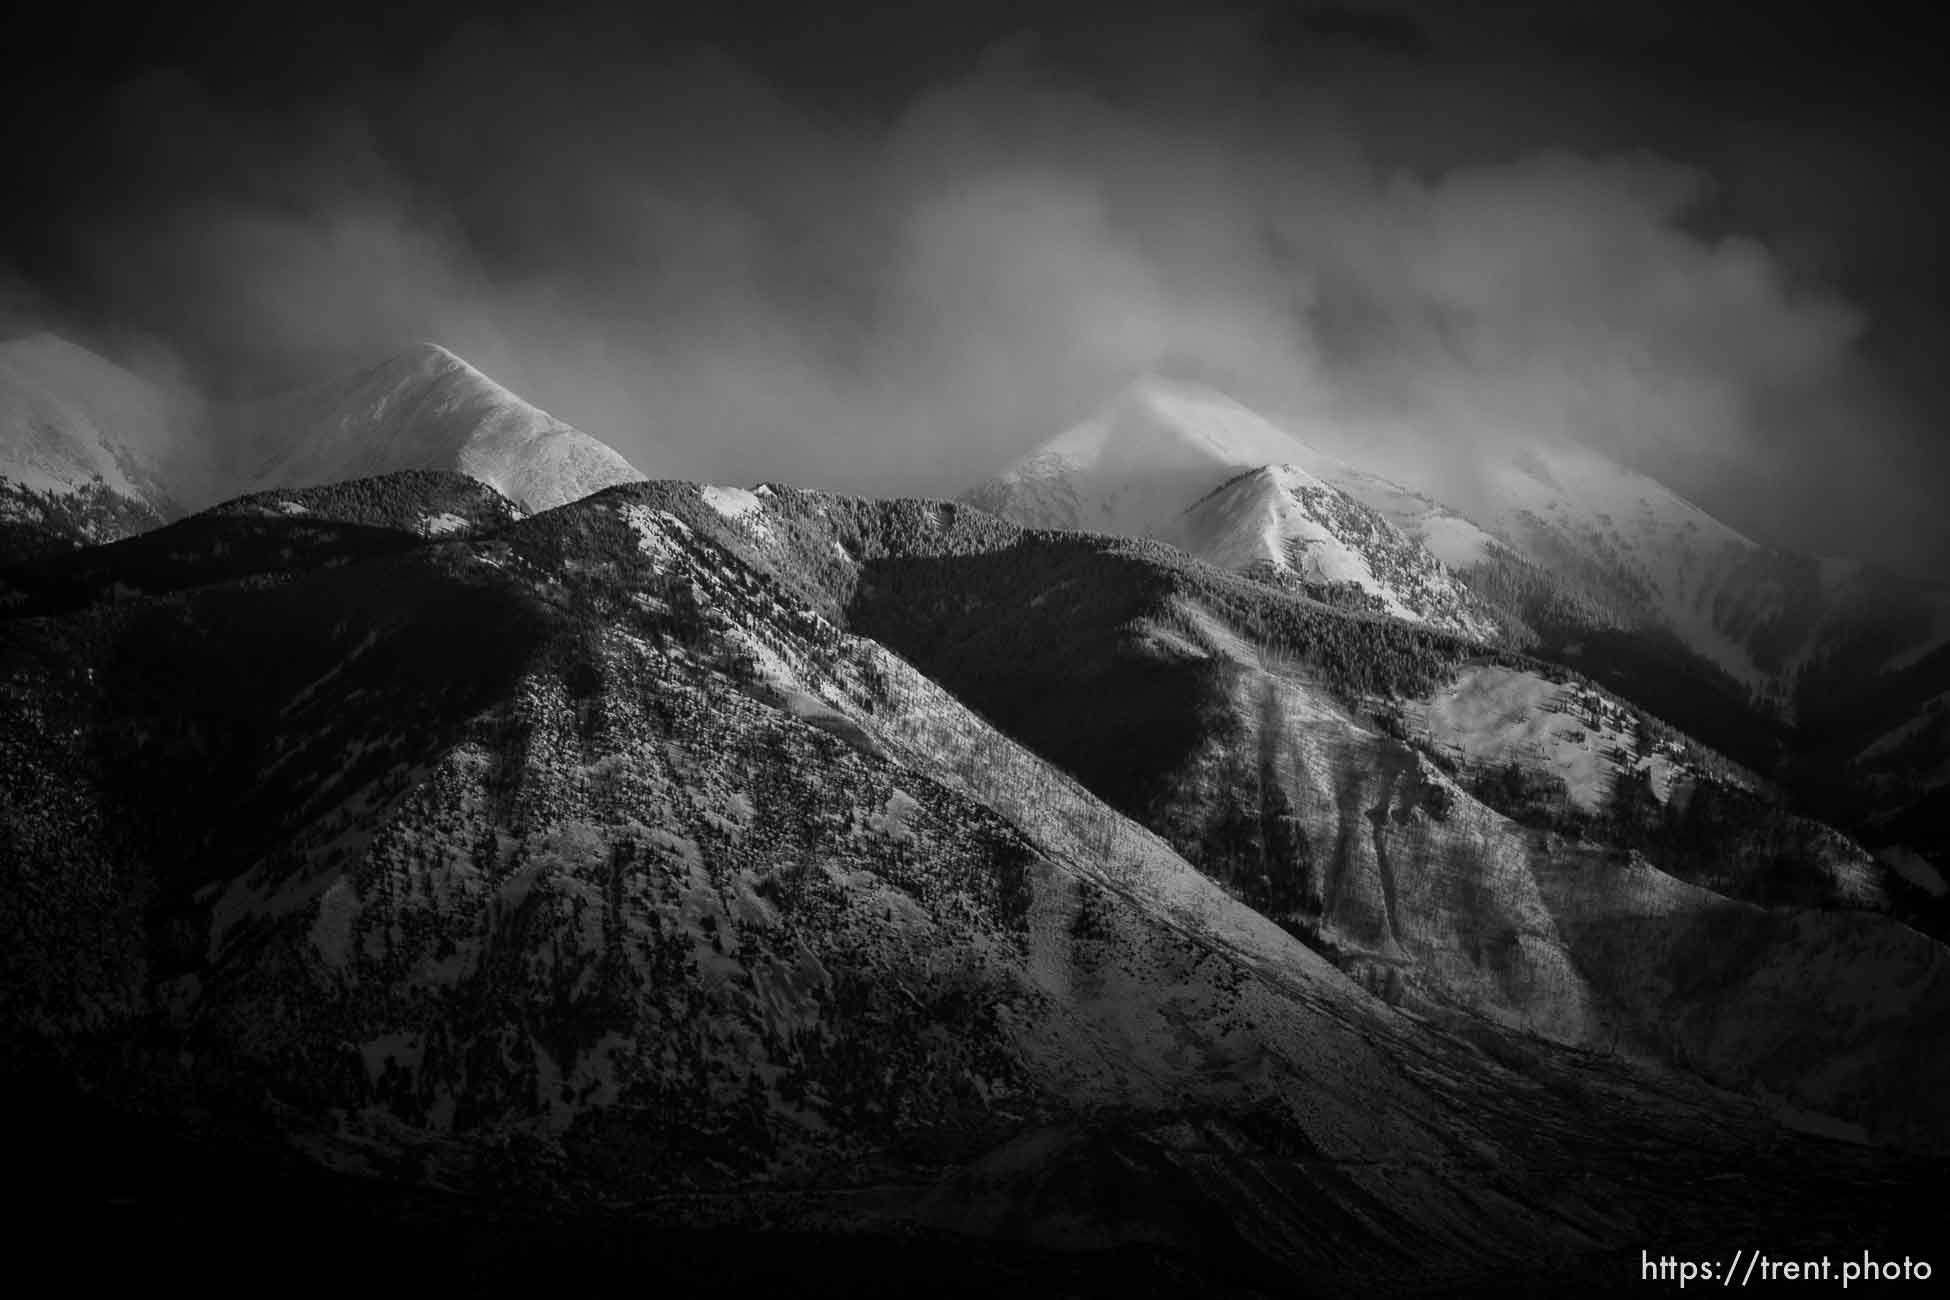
[(887, 248)]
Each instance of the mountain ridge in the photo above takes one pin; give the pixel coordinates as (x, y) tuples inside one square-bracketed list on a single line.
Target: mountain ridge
[(424, 408), (85, 447), (649, 855), (1188, 465), (91, 453), (1284, 523), (1613, 538), (1764, 654), (765, 857)]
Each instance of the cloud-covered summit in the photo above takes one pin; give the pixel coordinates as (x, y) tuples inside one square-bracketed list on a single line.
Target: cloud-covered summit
[(741, 273)]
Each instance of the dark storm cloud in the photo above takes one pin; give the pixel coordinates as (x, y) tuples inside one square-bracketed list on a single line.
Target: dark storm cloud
[(1363, 220), (1388, 33)]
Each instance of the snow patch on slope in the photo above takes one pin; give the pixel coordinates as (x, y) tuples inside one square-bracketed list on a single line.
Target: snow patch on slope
[(1618, 537), (1285, 519), (653, 531), (1454, 540), (1631, 540), (731, 502), (1493, 716)]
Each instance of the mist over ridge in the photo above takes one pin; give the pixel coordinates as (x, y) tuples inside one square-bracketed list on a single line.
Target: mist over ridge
[(731, 274), (967, 649)]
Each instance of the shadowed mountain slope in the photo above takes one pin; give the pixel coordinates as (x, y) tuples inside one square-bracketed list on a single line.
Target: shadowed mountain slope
[(610, 864)]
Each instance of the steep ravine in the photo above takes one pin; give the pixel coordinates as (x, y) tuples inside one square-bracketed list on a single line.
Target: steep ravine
[(1433, 899)]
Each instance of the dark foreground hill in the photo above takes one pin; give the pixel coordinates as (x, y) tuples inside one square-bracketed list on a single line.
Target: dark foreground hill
[(602, 886)]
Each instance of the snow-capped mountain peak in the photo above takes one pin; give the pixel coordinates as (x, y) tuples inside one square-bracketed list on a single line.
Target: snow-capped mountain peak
[(1286, 523), (89, 451), (1188, 465), (1636, 546), (425, 408), (1134, 464), (68, 415), (1161, 423), (1168, 459)]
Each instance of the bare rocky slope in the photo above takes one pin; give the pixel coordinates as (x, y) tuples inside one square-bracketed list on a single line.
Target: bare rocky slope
[(633, 865)]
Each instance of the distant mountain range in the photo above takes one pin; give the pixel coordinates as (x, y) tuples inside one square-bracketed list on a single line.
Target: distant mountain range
[(1770, 656), (90, 452), (1221, 875), (1624, 546)]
